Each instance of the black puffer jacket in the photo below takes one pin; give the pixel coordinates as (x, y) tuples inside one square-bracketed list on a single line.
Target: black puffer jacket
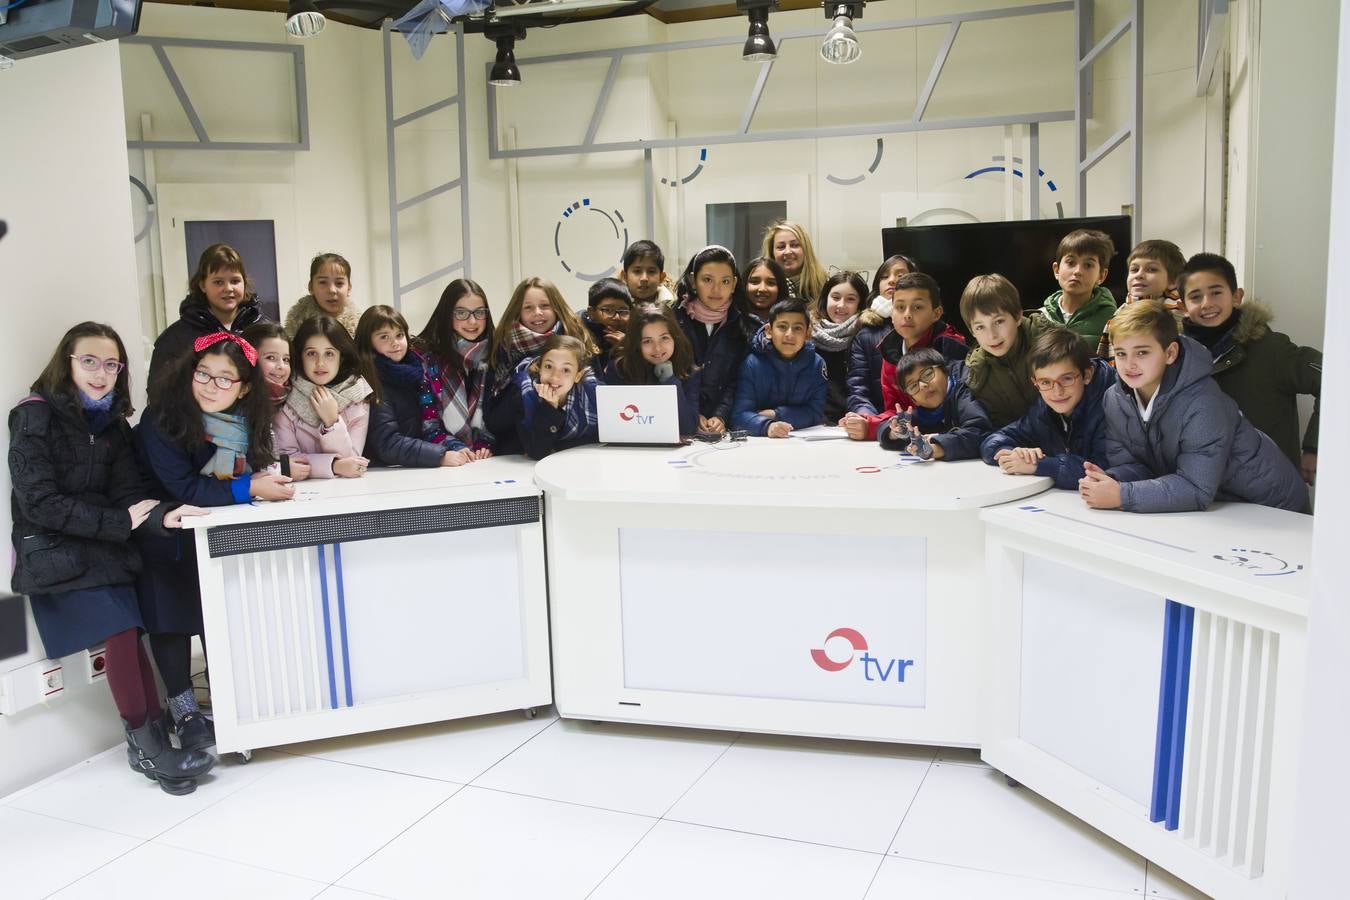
[(194, 320), (70, 498)]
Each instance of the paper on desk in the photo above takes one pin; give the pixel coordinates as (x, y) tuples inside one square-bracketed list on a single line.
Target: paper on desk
[(820, 433)]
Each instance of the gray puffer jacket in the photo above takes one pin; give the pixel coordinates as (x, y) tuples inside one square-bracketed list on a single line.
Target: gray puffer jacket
[(1196, 447)]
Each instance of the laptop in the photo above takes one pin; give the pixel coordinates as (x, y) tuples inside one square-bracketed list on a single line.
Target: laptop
[(639, 414)]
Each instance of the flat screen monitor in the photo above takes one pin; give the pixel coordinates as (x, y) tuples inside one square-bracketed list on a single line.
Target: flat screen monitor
[(1022, 252)]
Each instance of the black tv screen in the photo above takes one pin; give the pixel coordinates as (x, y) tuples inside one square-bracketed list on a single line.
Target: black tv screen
[(1022, 252)]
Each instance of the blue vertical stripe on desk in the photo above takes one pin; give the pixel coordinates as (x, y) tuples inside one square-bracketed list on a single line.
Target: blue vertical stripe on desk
[(327, 630), (342, 624), (1173, 694)]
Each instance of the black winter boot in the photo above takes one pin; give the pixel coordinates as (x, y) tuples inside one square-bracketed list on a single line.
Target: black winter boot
[(195, 732), (150, 753)]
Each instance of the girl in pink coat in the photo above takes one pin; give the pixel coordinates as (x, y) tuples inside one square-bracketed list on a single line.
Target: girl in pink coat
[(324, 418)]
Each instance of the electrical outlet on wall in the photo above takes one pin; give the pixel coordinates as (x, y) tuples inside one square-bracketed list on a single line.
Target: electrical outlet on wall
[(95, 664), (30, 685)]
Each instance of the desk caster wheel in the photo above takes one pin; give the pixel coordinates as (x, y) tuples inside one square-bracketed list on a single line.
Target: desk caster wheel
[(1012, 782), (530, 712), (245, 757)]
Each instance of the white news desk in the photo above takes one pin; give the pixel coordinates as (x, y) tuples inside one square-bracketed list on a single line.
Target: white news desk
[(1146, 674), (402, 597), (818, 588)]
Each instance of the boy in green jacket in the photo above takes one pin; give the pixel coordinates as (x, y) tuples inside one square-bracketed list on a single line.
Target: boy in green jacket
[(1082, 303), (998, 372), (1263, 370)]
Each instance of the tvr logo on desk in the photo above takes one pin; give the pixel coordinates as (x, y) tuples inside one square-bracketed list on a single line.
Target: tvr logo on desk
[(631, 413), (884, 668)]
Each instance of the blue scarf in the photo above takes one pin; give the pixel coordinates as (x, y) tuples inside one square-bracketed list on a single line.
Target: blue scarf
[(407, 373), (930, 420), (229, 434), (97, 413), (578, 410)]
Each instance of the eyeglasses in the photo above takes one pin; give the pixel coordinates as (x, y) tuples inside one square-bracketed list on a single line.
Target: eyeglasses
[(201, 376), (924, 380), (93, 364), (1045, 385), (617, 312), (463, 315)]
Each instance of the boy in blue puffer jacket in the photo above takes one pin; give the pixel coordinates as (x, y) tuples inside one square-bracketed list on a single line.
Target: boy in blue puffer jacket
[(1066, 426), (782, 383)]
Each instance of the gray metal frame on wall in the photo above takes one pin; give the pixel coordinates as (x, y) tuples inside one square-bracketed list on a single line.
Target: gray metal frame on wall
[(1082, 10), (391, 124), (203, 141)]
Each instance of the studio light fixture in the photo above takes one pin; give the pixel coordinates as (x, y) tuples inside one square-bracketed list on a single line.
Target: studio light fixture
[(303, 19), (841, 45), (505, 72), (759, 46)]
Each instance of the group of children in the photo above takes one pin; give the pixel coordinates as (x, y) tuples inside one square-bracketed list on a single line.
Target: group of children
[(1194, 401)]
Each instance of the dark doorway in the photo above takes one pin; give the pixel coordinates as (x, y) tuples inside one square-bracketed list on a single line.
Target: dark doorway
[(255, 239)]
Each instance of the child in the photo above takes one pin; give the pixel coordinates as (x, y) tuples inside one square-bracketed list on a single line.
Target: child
[(782, 382), (606, 316), (915, 322), (644, 272), (330, 294), (401, 398), (1080, 267), (1067, 424), (790, 246), (324, 419), (457, 338), (712, 313), (999, 370), (655, 351), (1154, 267), (219, 297), (885, 280), (78, 497), (552, 399), (274, 359), (206, 439), (764, 280), (535, 313), (1174, 440), (944, 411), (834, 323)]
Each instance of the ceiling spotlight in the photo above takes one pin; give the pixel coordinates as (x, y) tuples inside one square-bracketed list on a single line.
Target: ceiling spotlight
[(505, 72), (303, 19), (759, 46), (841, 45)]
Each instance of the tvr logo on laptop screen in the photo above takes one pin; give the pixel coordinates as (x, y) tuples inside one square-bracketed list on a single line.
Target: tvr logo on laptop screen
[(631, 413)]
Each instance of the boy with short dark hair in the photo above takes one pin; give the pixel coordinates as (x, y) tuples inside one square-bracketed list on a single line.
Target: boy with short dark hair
[(1174, 440), (999, 370), (944, 411), (915, 322), (1066, 426), (1153, 268), (1260, 368), (1082, 303), (608, 306), (644, 272), (782, 384)]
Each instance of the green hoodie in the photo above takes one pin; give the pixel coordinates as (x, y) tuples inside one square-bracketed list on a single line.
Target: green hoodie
[(1090, 320), (1002, 384)]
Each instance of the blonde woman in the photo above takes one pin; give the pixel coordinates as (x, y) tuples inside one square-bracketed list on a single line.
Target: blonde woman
[(788, 244)]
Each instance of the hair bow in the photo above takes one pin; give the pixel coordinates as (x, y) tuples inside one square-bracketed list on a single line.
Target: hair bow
[(208, 340)]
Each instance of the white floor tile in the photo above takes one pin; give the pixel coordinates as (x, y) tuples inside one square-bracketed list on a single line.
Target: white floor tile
[(1163, 885), (39, 855), (105, 793), (677, 861), (967, 816), (150, 868), (828, 792), (342, 893), (907, 879), (628, 768), (491, 845), (456, 751), (311, 818)]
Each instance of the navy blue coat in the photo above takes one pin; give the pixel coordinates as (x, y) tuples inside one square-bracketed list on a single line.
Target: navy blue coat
[(795, 389), (964, 421), (532, 427), (194, 320), (394, 436), (1066, 443), (719, 355), (687, 395)]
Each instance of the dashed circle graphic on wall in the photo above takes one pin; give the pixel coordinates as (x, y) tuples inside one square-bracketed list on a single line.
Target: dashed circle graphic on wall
[(597, 240), (857, 179), (698, 170), (1017, 161)]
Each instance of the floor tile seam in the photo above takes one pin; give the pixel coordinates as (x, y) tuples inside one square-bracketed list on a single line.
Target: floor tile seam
[(373, 768), (627, 853), (1031, 878), (401, 833), (516, 749), (221, 799), (734, 740), (777, 837), (898, 825), (97, 868), (609, 809), (55, 776), (343, 887), (100, 828), (230, 859)]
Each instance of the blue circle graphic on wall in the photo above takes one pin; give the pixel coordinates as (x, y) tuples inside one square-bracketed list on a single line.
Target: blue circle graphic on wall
[(999, 166), (593, 239)]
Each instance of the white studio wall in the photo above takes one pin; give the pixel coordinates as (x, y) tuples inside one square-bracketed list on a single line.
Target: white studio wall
[(68, 207)]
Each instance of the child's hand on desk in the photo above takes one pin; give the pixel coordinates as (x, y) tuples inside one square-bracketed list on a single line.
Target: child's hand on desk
[(1019, 460), (1308, 467), (769, 413), (350, 466), (271, 487), (1098, 490), (711, 424), (480, 453), (855, 426), (174, 517), (299, 469), (456, 457), (779, 429)]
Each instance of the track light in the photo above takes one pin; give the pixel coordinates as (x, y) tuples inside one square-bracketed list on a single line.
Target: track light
[(303, 19), (841, 45), (505, 72), (759, 46)]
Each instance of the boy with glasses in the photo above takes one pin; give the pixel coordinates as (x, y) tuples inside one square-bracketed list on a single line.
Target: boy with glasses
[(609, 304), (1066, 425), (945, 415)]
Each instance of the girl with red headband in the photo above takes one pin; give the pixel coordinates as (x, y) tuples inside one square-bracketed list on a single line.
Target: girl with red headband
[(206, 439)]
